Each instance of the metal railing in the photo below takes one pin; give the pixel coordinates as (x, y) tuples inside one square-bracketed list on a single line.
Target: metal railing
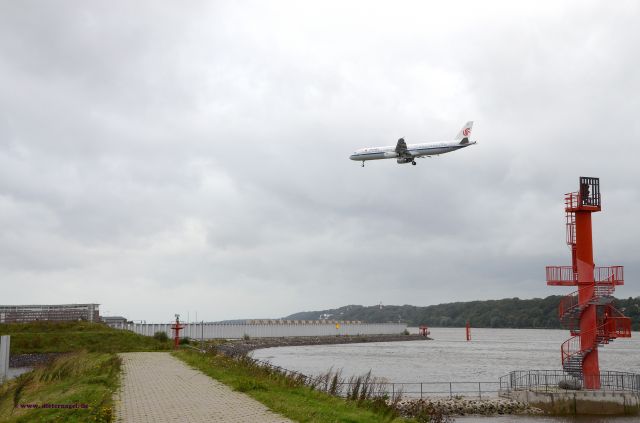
[(558, 380), (560, 274), (439, 389), (611, 274), (605, 275), (404, 389), (570, 305), (575, 200)]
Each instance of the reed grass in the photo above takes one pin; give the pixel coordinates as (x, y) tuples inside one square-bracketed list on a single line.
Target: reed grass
[(74, 378), (295, 395)]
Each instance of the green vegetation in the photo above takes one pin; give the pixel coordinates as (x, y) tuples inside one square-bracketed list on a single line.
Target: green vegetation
[(41, 337), (87, 374), (76, 379), (161, 336), (288, 395), (506, 313)]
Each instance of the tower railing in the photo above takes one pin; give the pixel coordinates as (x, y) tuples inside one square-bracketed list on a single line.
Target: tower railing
[(564, 275), (613, 274), (575, 200)]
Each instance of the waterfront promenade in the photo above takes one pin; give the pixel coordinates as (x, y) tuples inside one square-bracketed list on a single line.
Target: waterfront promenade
[(157, 387)]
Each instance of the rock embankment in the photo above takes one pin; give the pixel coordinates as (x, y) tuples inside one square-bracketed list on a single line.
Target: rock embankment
[(463, 406), (244, 346), (31, 360)]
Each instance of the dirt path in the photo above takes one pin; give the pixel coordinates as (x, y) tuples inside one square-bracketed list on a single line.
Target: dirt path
[(157, 387)]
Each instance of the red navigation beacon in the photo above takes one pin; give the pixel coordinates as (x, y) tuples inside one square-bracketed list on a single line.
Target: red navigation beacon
[(177, 327), (588, 313)]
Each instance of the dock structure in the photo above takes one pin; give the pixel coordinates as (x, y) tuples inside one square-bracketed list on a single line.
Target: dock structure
[(588, 313)]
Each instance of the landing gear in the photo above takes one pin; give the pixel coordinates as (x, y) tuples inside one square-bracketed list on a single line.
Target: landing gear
[(413, 162), (363, 163)]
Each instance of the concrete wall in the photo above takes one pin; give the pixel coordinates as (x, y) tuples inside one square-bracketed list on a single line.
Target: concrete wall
[(4, 357), (580, 402), (233, 331)]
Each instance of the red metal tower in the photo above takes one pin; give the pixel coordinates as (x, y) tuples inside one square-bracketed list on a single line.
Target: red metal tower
[(177, 327), (588, 313)]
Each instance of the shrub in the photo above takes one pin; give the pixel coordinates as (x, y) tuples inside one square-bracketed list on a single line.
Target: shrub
[(185, 341), (161, 336)]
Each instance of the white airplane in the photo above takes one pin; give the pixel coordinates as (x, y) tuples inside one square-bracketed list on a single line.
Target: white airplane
[(408, 153)]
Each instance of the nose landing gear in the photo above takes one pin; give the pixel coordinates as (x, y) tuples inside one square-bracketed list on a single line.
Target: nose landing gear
[(363, 163)]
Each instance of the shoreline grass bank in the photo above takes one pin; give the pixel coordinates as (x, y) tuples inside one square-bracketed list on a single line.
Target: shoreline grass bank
[(76, 370), (58, 337), (75, 387), (286, 395)]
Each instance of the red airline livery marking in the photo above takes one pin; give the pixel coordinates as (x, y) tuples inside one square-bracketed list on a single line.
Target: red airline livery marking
[(466, 132)]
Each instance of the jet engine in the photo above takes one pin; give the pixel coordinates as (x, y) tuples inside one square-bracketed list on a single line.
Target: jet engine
[(402, 160)]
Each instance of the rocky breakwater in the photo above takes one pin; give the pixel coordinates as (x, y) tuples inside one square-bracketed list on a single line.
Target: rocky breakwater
[(458, 406), (32, 360), (244, 346)]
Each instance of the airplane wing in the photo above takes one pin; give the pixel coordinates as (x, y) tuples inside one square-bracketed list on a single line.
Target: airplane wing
[(401, 148)]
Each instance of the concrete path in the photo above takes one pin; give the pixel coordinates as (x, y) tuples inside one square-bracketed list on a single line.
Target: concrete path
[(157, 387)]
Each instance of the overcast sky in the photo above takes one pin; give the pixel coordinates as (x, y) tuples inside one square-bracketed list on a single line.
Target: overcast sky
[(182, 157)]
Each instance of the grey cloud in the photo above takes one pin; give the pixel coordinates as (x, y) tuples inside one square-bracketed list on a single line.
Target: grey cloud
[(159, 158)]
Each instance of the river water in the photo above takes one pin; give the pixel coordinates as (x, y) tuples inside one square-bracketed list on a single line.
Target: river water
[(450, 358)]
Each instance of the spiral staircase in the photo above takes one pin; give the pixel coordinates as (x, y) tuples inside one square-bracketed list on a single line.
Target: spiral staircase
[(610, 323)]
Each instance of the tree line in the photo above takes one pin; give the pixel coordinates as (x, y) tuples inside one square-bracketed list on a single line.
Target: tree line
[(505, 313)]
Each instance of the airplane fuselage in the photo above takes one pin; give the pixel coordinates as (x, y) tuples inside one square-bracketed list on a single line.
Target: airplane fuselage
[(413, 151)]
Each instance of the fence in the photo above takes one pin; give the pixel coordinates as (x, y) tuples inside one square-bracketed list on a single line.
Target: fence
[(555, 380), (239, 330), (421, 390), (405, 389)]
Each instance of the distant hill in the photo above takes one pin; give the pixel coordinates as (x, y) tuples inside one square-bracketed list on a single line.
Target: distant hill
[(505, 313)]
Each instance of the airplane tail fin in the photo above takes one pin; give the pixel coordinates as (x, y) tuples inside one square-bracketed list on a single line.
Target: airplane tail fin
[(464, 133)]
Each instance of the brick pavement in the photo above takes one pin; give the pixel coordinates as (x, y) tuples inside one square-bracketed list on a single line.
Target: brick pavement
[(157, 387)]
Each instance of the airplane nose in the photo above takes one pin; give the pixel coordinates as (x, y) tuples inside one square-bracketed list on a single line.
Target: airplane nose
[(353, 157)]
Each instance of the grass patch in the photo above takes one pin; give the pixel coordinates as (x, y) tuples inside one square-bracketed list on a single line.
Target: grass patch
[(41, 337), (286, 395), (74, 378)]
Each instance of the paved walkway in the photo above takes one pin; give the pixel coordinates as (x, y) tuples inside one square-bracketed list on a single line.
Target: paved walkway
[(157, 387)]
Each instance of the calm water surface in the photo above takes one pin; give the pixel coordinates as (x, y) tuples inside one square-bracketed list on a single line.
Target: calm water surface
[(449, 358)]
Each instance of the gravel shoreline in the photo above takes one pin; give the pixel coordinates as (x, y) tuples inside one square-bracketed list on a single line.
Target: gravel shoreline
[(244, 346), (464, 406)]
